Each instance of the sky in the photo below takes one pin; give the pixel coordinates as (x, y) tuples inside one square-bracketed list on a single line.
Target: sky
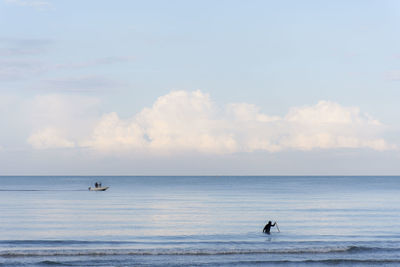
[(199, 87)]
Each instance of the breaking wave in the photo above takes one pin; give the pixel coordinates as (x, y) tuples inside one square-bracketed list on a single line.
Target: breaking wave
[(112, 252)]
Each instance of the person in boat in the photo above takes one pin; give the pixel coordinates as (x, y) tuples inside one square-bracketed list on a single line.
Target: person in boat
[(267, 227), (99, 184), (96, 185)]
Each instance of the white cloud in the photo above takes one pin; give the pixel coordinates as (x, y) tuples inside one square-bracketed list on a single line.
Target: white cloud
[(177, 121), (113, 133), (329, 125), (184, 121), (190, 121), (49, 138), (59, 121), (326, 112)]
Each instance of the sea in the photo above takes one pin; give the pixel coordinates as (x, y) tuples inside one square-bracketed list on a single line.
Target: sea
[(200, 221)]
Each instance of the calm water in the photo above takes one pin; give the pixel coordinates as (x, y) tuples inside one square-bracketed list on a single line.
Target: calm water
[(197, 221)]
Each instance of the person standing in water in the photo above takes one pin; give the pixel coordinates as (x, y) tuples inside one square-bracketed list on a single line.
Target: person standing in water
[(267, 227)]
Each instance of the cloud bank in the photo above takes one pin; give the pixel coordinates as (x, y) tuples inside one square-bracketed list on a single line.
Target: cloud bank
[(183, 121), (60, 121), (49, 138)]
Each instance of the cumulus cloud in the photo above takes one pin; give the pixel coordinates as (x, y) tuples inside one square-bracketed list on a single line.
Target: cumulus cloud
[(177, 121), (330, 125), (59, 121), (191, 121), (113, 133), (49, 138), (183, 121)]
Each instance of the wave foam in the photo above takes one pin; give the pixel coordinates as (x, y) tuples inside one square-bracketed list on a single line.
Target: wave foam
[(205, 252)]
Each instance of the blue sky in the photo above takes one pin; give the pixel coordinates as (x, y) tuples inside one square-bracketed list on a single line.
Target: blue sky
[(199, 87)]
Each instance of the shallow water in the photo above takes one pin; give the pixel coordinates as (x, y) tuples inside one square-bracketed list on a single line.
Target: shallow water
[(215, 221)]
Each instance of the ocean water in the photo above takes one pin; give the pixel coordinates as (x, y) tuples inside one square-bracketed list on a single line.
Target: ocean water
[(200, 221)]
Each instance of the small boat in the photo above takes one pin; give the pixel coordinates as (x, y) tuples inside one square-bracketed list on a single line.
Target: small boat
[(103, 188), (98, 187)]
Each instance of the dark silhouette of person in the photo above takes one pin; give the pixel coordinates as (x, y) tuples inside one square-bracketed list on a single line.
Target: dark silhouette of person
[(267, 227), (96, 185)]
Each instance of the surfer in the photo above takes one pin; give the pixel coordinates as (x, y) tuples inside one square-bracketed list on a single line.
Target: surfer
[(267, 227)]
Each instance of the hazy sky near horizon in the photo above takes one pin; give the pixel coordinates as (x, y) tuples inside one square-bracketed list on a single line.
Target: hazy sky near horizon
[(199, 87)]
